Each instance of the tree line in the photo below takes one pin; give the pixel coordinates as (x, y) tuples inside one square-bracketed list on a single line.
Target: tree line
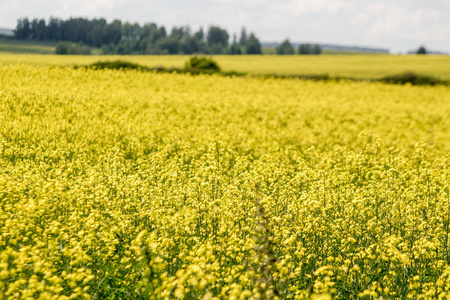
[(116, 37), (286, 48)]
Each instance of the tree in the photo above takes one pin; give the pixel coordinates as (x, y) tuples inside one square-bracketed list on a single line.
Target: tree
[(131, 38), (151, 38), (122, 48), (131, 31), (108, 48), (54, 29), (23, 29), (169, 45), (188, 45), (71, 48), (217, 36), (243, 38), (62, 47), (76, 30), (285, 48), (200, 43), (113, 32), (199, 35), (304, 49), (316, 50), (41, 30), (235, 48), (38, 29), (422, 50), (253, 46), (179, 32), (33, 25), (96, 35), (217, 39)]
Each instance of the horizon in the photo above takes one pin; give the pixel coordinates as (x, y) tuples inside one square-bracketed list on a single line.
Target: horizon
[(398, 26)]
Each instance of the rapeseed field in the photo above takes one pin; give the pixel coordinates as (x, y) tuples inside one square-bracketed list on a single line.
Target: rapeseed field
[(137, 185), (358, 66)]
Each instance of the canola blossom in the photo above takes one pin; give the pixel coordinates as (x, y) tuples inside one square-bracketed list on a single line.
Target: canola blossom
[(136, 185)]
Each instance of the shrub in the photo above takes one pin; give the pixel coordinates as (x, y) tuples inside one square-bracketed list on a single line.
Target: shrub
[(71, 48), (202, 65), (413, 78), (116, 65)]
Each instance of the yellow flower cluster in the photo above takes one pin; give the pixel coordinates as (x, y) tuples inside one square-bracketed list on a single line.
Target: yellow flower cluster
[(124, 184)]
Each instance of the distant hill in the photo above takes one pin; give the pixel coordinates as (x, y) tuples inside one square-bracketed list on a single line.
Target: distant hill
[(429, 52), (337, 48), (6, 32), (330, 47)]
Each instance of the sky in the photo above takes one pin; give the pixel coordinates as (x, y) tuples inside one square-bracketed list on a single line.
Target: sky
[(398, 25)]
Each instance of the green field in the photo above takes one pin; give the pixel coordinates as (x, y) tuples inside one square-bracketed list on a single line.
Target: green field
[(353, 66), (8, 45)]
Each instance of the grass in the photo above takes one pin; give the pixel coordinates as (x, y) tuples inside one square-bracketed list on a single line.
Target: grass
[(12, 46), (9, 45)]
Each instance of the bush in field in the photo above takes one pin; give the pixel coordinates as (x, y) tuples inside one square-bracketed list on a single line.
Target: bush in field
[(116, 65), (202, 64), (72, 48), (413, 78)]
